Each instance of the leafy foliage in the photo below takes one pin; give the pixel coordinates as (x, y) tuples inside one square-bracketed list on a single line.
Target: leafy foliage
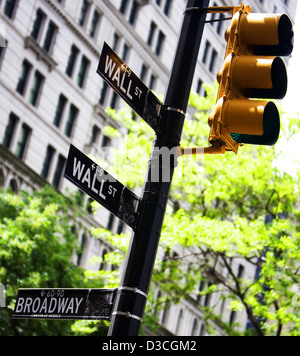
[(36, 246)]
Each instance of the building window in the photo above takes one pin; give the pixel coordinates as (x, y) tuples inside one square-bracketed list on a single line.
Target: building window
[(120, 227), (89, 206), (207, 298), (38, 25), (195, 327), (179, 322), (199, 86), (241, 272), (167, 8), (95, 24), (232, 317), (166, 5), (23, 80), (82, 74), (84, 12), (166, 313), (152, 82), (98, 139), (213, 17), (125, 52), (103, 94), (220, 24), (73, 112), (3, 45), (23, 141), (114, 100), (110, 222), (202, 330), (72, 61), (160, 43), (160, 39), (10, 130), (152, 30), (62, 101), (115, 42), (81, 249), (133, 13), (36, 88), (2, 178), (206, 50), (144, 72), (103, 265), (59, 171), (106, 141), (95, 134), (213, 60), (123, 6), (10, 8), (50, 37), (36, 33), (13, 185), (48, 161)]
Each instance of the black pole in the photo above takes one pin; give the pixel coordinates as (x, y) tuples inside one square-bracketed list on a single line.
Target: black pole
[(131, 298)]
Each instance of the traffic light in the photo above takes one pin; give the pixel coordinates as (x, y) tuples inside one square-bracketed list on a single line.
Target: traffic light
[(252, 70)]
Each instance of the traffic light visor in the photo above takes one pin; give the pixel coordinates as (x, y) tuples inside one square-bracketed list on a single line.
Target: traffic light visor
[(267, 35), (253, 122), (260, 77)]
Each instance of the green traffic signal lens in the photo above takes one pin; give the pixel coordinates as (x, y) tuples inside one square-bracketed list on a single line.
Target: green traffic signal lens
[(271, 128)]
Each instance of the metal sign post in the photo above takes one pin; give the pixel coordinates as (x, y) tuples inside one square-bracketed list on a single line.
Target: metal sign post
[(125, 306), (131, 297)]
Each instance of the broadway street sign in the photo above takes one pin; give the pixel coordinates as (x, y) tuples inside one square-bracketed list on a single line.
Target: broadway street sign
[(64, 304), (101, 186), (122, 79)]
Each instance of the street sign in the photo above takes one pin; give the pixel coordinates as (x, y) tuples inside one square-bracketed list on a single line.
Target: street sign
[(122, 79), (64, 304), (101, 186)]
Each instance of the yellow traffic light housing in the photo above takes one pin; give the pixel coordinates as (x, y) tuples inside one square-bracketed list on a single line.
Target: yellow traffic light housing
[(252, 69)]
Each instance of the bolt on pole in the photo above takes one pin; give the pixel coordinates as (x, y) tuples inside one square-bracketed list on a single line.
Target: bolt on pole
[(131, 299)]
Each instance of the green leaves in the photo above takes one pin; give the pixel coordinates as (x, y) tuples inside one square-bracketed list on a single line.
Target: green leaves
[(36, 246)]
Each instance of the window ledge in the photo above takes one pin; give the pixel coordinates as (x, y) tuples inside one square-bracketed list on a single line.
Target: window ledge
[(143, 2), (41, 54)]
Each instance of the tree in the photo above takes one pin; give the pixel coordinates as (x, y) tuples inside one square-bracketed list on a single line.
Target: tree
[(36, 246), (239, 215)]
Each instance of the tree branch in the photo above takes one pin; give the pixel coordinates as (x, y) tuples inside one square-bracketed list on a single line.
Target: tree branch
[(241, 296)]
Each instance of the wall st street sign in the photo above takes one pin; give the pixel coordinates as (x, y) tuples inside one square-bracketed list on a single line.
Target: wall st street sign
[(121, 78), (64, 304), (101, 186)]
